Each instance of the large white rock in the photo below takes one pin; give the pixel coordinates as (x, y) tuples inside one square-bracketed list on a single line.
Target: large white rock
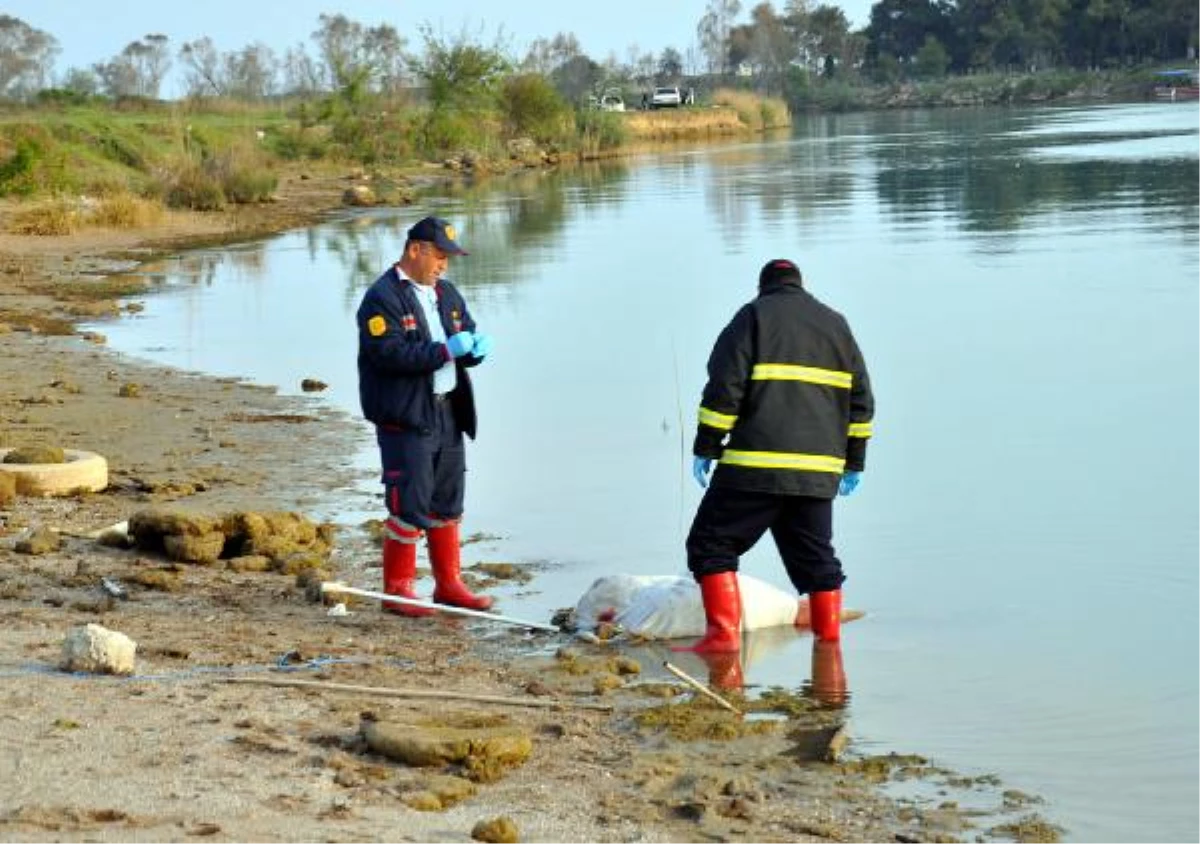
[(98, 650)]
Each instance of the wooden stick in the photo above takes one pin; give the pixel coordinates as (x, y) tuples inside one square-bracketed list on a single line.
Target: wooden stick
[(421, 693), (700, 687)]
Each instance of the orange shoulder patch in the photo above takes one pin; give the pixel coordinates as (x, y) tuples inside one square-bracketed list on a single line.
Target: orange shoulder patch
[(377, 325)]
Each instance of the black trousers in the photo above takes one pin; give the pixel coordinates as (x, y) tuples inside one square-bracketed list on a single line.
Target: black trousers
[(424, 473), (729, 522)]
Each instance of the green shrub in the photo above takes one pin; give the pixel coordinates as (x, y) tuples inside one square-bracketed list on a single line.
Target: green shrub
[(196, 189), (533, 107), (244, 186), (447, 131), (296, 144), (599, 130), (17, 173)]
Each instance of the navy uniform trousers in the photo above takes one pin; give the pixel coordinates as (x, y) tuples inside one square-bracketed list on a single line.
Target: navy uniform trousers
[(729, 522), (424, 472)]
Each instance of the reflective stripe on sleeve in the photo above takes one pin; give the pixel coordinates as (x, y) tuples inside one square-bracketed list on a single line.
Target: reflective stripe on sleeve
[(720, 421), (860, 429), (784, 460), (807, 374)]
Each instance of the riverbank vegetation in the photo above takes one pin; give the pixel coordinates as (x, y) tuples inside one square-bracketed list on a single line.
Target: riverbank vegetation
[(364, 99)]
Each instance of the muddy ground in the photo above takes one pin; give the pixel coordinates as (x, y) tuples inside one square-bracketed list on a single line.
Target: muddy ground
[(585, 746)]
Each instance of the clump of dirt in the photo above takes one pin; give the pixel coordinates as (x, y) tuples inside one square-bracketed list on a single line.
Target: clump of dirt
[(1030, 828), (700, 719), (501, 830), (35, 454), (480, 748), (41, 540), (575, 663), (437, 792), (289, 540), (881, 768), (497, 572)]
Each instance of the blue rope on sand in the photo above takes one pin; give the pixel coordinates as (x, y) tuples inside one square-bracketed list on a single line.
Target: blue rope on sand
[(286, 662)]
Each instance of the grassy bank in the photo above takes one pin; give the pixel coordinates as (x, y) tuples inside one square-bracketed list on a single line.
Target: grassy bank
[(982, 89), (100, 164)]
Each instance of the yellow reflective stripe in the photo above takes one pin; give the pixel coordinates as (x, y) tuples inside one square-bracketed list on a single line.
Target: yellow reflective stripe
[(784, 460), (720, 421), (860, 429), (808, 374)]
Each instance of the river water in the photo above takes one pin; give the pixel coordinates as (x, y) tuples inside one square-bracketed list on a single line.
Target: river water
[(1023, 283)]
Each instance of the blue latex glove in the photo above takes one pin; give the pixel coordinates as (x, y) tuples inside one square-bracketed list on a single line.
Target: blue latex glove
[(461, 343), (483, 345), (701, 466), (849, 482)]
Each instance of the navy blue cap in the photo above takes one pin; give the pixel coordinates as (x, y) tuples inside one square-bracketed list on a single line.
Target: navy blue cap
[(777, 270), (438, 232)]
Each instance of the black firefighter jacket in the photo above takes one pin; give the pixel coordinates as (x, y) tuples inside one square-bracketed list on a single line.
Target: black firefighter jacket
[(788, 386), (397, 356)]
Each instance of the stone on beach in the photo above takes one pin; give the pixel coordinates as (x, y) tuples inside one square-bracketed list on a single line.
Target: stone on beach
[(98, 650)]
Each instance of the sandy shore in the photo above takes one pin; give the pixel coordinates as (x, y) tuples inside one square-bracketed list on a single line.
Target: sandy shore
[(178, 752)]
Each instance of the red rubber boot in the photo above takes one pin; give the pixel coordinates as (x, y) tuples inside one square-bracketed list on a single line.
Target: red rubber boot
[(722, 612), (445, 558), (826, 611), (400, 569)]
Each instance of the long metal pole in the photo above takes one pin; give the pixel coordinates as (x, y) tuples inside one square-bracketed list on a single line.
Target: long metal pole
[(332, 586)]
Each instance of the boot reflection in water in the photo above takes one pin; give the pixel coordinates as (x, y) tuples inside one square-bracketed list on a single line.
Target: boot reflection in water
[(829, 674), (724, 669)]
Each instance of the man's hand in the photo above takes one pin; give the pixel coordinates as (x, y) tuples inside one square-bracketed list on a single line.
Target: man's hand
[(701, 467), (483, 346), (461, 343), (849, 482)]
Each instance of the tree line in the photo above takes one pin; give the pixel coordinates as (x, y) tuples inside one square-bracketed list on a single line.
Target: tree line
[(905, 39)]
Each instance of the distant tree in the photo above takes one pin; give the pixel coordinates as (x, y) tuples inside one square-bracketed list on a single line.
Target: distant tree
[(301, 72), (80, 81), (829, 30), (670, 64), (251, 73), (640, 67), (202, 63), (357, 57), (932, 59), (713, 33), (545, 56), (26, 57), (139, 69), (772, 46), (577, 77), (898, 28)]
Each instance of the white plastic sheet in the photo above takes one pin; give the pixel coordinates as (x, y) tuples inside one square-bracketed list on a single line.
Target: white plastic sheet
[(670, 607)]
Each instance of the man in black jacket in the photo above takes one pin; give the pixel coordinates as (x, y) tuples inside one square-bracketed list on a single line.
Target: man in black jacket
[(786, 412), (416, 343)]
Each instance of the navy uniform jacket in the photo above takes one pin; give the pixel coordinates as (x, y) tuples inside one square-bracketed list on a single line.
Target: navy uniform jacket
[(788, 386), (397, 356)]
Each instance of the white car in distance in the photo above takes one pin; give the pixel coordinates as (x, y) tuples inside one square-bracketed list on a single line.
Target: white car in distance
[(666, 98)]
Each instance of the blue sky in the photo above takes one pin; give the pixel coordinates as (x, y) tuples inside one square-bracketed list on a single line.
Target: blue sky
[(89, 32)]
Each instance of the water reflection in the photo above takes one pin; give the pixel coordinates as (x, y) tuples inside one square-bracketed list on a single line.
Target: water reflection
[(771, 656)]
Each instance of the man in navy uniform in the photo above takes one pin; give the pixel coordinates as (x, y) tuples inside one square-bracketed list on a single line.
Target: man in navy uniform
[(416, 344), (786, 413)]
